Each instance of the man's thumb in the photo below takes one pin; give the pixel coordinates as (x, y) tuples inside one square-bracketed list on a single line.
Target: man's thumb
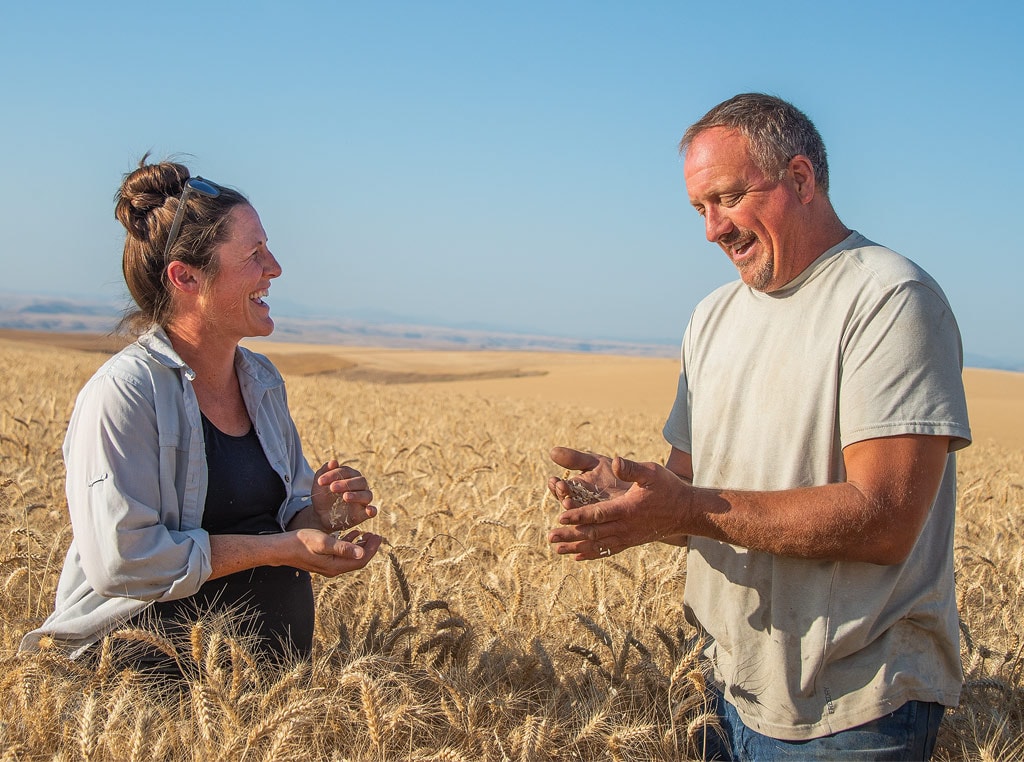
[(631, 471)]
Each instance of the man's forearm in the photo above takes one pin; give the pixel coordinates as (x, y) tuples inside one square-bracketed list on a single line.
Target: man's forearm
[(834, 521), (874, 516)]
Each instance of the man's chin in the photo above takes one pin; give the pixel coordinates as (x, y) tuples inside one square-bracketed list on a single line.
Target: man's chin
[(757, 278)]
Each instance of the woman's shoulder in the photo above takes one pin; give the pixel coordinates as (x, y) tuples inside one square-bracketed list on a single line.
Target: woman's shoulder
[(133, 373), (135, 363)]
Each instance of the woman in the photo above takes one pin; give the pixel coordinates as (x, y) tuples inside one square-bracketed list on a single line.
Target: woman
[(186, 482)]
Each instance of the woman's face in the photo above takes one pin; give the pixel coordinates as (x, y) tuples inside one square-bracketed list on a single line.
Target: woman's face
[(233, 301)]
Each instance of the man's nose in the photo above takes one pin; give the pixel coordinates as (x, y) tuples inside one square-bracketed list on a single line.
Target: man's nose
[(716, 224)]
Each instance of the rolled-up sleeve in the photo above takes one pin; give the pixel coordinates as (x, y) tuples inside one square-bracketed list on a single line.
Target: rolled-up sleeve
[(124, 511)]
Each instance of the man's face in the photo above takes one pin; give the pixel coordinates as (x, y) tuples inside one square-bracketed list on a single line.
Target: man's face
[(752, 217)]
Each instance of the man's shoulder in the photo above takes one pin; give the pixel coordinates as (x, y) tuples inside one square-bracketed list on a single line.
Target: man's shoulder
[(882, 267)]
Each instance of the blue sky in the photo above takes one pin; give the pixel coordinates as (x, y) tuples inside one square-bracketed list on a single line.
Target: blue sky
[(510, 165)]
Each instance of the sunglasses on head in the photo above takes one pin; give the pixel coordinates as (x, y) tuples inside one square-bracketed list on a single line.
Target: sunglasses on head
[(192, 185)]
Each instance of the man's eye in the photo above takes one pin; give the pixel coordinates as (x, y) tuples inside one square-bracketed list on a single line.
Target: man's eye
[(699, 210), (731, 199)]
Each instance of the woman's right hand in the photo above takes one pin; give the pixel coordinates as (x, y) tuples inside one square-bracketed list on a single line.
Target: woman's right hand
[(308, 549), (327, 555)]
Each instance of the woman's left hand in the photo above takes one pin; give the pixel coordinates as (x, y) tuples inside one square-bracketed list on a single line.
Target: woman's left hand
[(341, 497)]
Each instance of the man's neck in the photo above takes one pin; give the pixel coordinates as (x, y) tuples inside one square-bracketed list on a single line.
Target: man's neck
[(825, 230)]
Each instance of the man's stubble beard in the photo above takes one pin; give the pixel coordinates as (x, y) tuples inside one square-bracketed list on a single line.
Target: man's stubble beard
[(758, 275)]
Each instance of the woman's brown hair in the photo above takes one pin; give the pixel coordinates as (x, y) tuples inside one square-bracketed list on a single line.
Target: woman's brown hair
[(145, 205)]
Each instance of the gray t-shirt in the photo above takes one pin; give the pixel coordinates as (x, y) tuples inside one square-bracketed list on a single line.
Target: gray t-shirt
[(861, 345)]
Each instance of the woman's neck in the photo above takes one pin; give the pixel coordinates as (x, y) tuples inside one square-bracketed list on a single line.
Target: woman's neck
[(212, 357)]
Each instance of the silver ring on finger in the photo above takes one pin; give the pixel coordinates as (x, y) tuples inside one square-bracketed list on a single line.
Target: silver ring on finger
[(604, 551)]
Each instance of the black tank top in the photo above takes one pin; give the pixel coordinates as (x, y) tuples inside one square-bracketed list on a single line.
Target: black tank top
[(243, 496)]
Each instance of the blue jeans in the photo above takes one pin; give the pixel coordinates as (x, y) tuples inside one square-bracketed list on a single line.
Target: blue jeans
[(907, 734)]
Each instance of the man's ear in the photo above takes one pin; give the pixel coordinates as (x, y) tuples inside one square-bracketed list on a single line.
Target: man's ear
[(801, 171), (182, 277)]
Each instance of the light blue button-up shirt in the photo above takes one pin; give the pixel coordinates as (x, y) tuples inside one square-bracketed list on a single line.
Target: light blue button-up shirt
[(136, 485)]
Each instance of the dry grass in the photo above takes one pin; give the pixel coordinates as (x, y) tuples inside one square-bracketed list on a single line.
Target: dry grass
[(466, 638)]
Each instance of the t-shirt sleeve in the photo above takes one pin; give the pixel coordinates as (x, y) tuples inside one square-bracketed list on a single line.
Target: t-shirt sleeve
[(902, 370), (677, 427)]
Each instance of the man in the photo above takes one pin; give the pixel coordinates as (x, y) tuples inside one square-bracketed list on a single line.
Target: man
[(811, 470)]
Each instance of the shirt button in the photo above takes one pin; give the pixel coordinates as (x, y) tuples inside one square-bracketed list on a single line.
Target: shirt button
[(287, 478)]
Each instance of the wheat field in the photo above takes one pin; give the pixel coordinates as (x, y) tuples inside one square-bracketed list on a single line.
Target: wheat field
[(466, 638)]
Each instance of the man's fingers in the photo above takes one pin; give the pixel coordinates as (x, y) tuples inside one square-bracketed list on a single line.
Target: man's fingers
[(555, 485), (559, 488), (566, 534), (594, 513), (589, 550), (574, 460), (570, 548), (579, 533)]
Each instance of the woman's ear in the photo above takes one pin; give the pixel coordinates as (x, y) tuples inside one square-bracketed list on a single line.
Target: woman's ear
[(182, 277)]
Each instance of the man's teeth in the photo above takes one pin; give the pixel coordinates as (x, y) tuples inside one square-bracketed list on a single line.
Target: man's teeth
[(742, 245), (257, 296)]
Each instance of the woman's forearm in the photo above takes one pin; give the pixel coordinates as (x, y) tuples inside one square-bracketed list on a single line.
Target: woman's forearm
[(232, 553)]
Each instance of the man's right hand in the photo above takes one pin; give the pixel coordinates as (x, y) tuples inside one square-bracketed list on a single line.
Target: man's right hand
[(595, 475)]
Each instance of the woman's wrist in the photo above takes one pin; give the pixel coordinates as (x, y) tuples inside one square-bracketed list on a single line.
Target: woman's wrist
[(237, 552), (307, 518)]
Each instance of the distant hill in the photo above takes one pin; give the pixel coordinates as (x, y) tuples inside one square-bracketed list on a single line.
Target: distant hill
[(73, 315), (82, 314), (48, 313)]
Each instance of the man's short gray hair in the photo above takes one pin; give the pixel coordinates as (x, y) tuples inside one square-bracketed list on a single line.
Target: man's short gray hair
[(776, 131)]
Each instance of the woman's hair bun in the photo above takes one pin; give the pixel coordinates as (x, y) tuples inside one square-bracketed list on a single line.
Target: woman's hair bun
[(146, 204), (143, 192)]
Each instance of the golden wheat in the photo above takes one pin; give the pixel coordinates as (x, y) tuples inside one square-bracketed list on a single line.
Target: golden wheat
[(466, 638)]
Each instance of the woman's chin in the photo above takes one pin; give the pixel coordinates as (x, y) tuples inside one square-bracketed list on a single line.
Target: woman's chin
[(264, 327)]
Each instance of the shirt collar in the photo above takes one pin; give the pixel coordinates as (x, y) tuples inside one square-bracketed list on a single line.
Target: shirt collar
[(158, 344)]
